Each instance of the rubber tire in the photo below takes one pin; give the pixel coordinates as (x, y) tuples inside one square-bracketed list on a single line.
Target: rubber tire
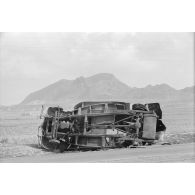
[(62, 147)]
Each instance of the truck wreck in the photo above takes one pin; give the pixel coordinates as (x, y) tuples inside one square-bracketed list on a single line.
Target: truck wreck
[(99, 125)]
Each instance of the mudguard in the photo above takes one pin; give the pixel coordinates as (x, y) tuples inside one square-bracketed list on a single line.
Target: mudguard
[(156, 108)]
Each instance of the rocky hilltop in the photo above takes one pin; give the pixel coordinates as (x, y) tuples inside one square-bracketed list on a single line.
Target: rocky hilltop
[(104, 87)]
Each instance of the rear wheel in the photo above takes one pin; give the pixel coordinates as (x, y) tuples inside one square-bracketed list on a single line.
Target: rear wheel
[(63, 146)]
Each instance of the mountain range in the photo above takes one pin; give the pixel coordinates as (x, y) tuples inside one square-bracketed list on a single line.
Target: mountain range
[(104, 86)]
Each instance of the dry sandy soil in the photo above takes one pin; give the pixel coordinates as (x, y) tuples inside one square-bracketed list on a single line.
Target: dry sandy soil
[(148, 154)]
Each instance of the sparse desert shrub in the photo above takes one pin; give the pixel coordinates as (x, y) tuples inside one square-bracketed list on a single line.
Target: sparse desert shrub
[(4, 140)]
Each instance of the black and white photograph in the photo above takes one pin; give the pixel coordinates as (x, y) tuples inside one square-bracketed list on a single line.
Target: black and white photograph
[(97, 97), (107, 97)]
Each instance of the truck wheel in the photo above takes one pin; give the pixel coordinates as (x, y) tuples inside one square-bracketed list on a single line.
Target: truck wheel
[(62, 147)]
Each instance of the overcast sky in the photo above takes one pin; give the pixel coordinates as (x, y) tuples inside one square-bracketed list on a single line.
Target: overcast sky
[(31, 61)]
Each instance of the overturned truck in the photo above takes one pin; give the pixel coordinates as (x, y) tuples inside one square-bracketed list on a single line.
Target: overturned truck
[(98, 125)]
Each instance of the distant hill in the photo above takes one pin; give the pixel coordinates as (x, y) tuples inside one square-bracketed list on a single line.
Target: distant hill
[(103, 87)]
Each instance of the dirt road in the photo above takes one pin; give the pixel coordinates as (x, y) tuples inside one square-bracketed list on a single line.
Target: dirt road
[(155, 153)]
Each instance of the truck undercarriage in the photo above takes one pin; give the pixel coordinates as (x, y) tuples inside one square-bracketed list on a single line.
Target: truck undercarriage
[(99, 125)]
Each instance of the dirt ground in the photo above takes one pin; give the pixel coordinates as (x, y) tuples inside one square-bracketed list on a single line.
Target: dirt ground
[(148, 154)]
